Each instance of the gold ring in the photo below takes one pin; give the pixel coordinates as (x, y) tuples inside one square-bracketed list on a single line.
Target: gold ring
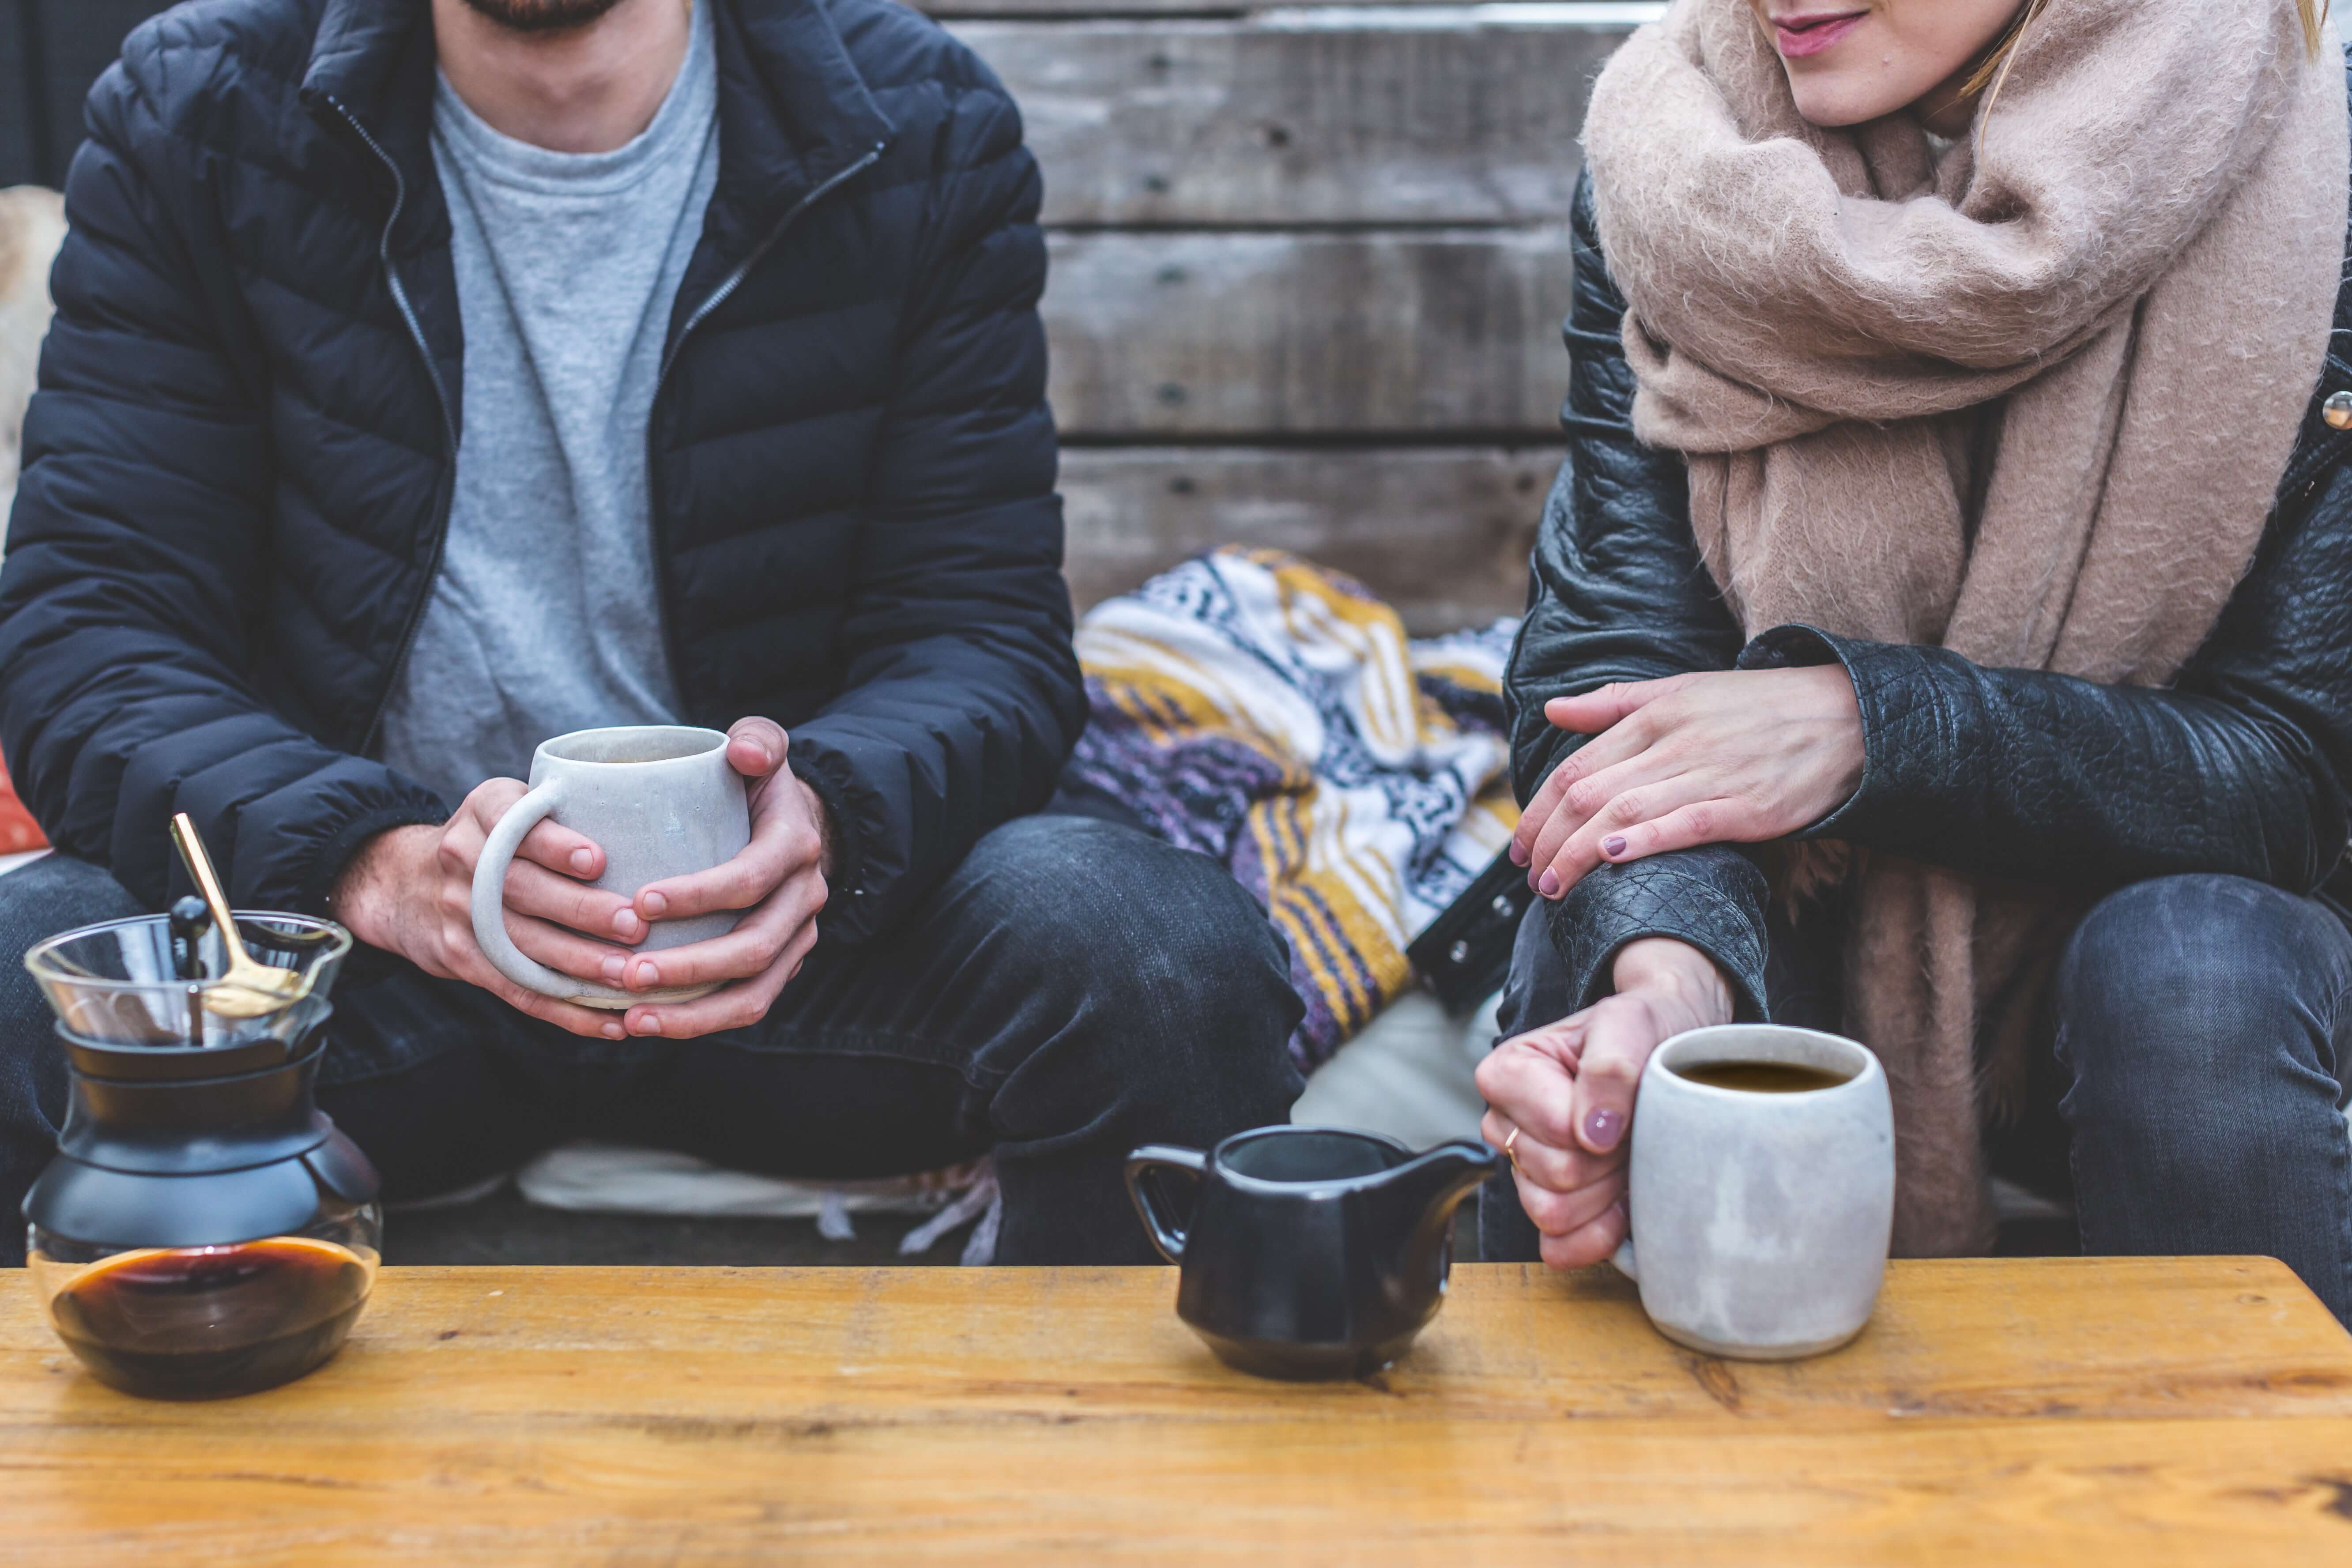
[(1510, 1152)]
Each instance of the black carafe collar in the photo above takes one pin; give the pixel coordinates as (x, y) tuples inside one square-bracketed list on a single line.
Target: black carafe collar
[(172, 1160), (285, 1037)]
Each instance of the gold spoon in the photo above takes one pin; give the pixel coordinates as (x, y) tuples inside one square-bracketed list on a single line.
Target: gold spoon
[(251, 987)]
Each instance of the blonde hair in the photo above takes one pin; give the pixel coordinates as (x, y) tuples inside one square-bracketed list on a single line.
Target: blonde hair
[(1988, 74)]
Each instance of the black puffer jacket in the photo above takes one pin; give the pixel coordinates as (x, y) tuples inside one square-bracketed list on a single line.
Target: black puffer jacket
[(2239, 767), (238, 464)]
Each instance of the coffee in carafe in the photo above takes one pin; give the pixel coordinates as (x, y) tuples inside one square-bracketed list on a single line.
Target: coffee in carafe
[(199, 1322), (205, 1230)]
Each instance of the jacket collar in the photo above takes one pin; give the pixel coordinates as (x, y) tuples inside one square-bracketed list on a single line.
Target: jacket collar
[(793, 112)]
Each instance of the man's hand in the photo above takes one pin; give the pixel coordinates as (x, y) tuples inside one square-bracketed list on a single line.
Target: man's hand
[(1568, 1089), (1728, 757), (779, 879), (411, 891)]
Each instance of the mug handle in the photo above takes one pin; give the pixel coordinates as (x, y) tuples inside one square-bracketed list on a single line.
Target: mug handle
[(1165, 1236), (1622, 1260), (490, 895)]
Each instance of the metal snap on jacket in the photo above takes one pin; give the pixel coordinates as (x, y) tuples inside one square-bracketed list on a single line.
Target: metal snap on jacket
[(2336, 409)]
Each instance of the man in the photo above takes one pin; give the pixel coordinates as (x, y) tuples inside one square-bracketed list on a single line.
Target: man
[(429, 379)]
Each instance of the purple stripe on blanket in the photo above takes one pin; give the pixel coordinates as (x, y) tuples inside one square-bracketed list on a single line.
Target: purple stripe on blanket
[(1194, 795)]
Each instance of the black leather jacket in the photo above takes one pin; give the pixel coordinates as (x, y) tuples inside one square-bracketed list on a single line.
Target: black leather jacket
[(2238, 767)]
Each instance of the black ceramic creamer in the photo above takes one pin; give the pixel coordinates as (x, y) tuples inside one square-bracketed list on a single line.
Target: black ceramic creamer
[(1309, 1252)]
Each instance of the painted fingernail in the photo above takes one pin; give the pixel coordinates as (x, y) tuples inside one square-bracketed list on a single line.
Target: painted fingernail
[(1518, 853), (614, 967), (656, 905), (1603, 1128), (614, 1031), (1613, 845), (1548, 883), (646, 974), (625, 924), (582, 861)]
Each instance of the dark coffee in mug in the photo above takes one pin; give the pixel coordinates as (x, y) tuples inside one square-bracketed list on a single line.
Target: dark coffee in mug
[(1762, 1077), (198, 1323)]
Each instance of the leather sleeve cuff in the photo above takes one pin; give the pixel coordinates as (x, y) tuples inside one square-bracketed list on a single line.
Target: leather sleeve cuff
[(1712, 898)]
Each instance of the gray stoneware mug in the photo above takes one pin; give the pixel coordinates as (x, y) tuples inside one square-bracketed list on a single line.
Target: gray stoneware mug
[(661, 799), (1761, 1221)]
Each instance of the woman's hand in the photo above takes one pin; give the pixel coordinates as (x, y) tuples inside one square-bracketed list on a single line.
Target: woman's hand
[(1727, 757), (1567, 1090)]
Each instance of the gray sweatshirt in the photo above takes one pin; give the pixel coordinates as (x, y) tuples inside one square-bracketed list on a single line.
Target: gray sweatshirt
[(545, 616)]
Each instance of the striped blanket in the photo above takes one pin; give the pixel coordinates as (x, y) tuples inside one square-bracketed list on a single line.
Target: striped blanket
[(1260, 709)]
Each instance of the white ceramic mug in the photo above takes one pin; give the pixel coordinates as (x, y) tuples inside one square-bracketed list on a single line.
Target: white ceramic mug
[(662, 801), (1761, 1221)]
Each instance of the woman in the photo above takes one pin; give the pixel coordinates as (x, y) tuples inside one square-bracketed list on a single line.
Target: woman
[(1942, 630)]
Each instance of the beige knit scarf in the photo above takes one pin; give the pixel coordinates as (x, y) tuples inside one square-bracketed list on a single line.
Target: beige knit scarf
[(2138, 248)]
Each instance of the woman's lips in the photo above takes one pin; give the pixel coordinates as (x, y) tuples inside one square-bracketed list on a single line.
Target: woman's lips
[(1801, 36)]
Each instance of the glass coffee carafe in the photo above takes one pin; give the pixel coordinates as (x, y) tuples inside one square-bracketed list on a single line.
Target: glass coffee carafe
[(205, 1230)]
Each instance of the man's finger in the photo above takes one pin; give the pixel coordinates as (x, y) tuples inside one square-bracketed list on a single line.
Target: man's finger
[(490, 799), (1596, 710), (467, 961), (747, 950), (566, 951), (783, 844), (736, 1006), (756, 747), (591, 911), (562, 850)]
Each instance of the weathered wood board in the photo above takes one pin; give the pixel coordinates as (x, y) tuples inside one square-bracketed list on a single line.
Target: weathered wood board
[(1442, 533), (1238, 336), (1626, 14), (2145, 1411), (1246, 123)]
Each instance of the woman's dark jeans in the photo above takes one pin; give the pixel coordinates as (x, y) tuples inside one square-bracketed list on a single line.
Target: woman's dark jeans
[(2200, 1031), (1071, 990)]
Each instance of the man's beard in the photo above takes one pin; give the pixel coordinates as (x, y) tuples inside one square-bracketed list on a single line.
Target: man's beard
[(541, 15)]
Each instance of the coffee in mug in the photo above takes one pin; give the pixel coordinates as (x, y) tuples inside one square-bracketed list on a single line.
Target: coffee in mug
[(661, 800), (1764, 1077), (1762, 1190)]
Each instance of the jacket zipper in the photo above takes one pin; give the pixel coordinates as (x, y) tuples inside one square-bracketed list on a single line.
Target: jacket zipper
[(711, 301), (447, 487)]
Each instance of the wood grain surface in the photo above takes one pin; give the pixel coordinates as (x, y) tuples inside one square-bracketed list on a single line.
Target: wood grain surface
[(1442, 533), (1240, 124), (2149, 1411), (1246, 334)]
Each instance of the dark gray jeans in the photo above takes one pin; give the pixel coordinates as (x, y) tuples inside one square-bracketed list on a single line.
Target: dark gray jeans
[(1071, 990), (2199, 1030)]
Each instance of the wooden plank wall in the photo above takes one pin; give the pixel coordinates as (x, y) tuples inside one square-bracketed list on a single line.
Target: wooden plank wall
[(1308, 269), (1308, 265)]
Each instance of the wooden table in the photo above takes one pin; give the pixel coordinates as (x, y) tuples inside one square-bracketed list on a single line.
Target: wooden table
[(2145, 1411)]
